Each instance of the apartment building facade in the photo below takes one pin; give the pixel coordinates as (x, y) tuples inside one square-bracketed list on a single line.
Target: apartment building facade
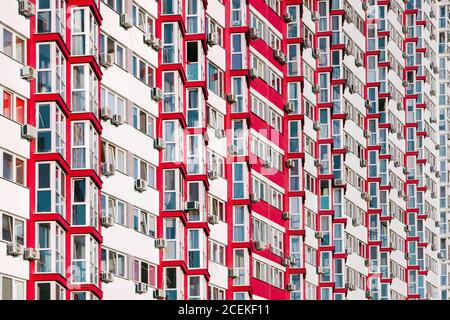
[(193, 149)]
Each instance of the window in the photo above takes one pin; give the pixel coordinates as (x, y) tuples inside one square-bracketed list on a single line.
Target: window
[(112, 102), (173, 190), (293, 60), (196, 251), (172, 43), (50, 291), (215, 118), (170, 7), (84, 146), (143, 121), (240, 222), (295, 176), (113, 262), (293, 27), (84, 259), (84, 32), (215, 293), (174, 235), (143, 71), (50, 188), (51, 129), (110, 46), (239, 136), (13, 45), (51, 69), (50, 16), (239, 89), (215, 79), (11, 288), (217, 208), (213, 27), (12, 229), (50, 240), (196, 286), (116, 5), (145, 171), (239, 175), (84, 202), (237, 51), (142, 20), (173, 282), (216, 163), (111, 207), (195, 69), (194, 154), (12, 106), (216, 252), (173, 138), (194, 108), (294, 136), (144, 272), (193, 16), (240, 263), (237, 13), (84, 89), (173, 92), (144, 222), (12, 167), (111, 154)]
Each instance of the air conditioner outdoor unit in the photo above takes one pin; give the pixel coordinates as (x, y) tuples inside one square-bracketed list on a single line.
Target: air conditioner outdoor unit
[(315, 88), (317, 163), (259, 245), (105, 113), (26, 8), (28, 132), (289, 107), (213, 219), (31, 254), (366, 133), (219, 133), (315, 52), (350, 286), (192, 206), (266, 164), (339, 182), (14, 249), (252, 73), (364, 5), (231, 98), (140, 185), (159, 144), (316, 125), (405, 83), (107, 277), (288, 17), (315, 16), (399, 106), (212, 38), (286, 215), (212, 174), (254, 33), (396, 163), (320, 270), (348, 16), (106, 60), (157, 94), (233, 149), (233, 273), (141, 287), (116, 120), (149, 38), (363, 163), (355, 222), (160, 243), (254, 197), (27, 73), (318, 234), (365, 196), (107, 221), (159, 294), (368, 295), (290, 287), (285, 262), (157, 44), (290, 163), (125, 21)]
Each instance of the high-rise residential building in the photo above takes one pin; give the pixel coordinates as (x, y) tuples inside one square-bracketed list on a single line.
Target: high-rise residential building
[(224, 149)]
